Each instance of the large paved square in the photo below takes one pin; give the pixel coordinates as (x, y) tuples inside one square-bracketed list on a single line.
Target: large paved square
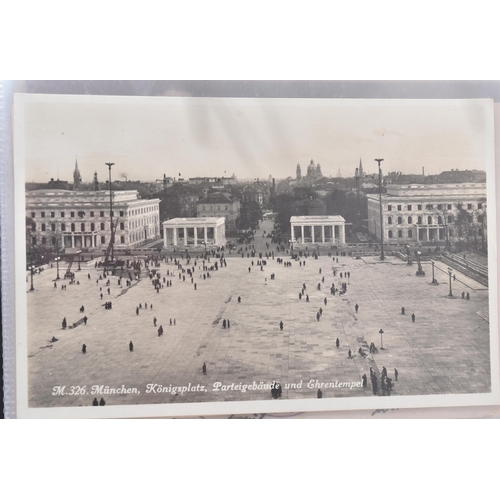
[(445, 351)]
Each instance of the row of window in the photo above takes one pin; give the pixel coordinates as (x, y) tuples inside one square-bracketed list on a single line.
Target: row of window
[(73, 227), (430, 206), (53, 240), (390, 233), (102, 213), (430, 219), (132, 225), (210, 208), (80, 213)]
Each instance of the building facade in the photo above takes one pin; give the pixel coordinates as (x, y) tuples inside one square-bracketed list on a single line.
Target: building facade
[(329, 229), (257, 191), (220, 204), (194, 232), (425, 213), (79, 220)]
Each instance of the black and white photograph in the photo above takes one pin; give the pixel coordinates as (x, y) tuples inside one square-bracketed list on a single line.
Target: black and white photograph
[(182, 256)]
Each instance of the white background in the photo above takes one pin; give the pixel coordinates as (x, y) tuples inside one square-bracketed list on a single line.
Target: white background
[(253, 40)]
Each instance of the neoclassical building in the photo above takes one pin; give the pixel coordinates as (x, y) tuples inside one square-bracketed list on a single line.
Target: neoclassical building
[(220, 204), (75, 220), (194, 232), (424, 212), (318, 229)]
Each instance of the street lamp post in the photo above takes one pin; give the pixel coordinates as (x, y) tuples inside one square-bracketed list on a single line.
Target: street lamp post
[(381, 338), (408, 254), (434, 280), (111, 211), (32, 270), (420, 271), (450, 270), (79, 253), (57, 259), (379, 161)]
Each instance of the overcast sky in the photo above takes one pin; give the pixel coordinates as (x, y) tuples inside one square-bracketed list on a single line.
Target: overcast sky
[(148, 136)]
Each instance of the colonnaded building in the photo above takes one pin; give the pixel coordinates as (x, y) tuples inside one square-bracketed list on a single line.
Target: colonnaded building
[(318, 229), (425, 212), (194, 232), (81, 219)]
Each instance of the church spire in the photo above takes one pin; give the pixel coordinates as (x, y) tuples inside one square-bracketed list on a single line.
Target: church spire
[(360, 172), (77, 178)]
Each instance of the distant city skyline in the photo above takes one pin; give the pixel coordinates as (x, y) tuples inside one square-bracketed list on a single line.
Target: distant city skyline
[(252, 138)]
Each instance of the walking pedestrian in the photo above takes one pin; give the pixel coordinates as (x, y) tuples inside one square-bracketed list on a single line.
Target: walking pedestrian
[(356, 307), (95, 402), (239, 300), (413, 317), (84, 348), (131, 346), (320, 393), (228, 324), (337, 343), (467, 296), (102, 402), (281, 325), (403, 311), (204, 368), (85, 319), (137, 311), (224, 324), (64, 323), (396, 373), (174, 322), (364, 379), (463, 295), (154, 321), (349, 354)]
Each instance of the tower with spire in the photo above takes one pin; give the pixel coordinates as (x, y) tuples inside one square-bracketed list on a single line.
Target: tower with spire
[(360, 171), (77, 178), (298, 174), (95, 183)]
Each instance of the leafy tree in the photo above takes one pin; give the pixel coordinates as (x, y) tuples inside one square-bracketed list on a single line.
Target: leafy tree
[(250, 215), (284, 208)]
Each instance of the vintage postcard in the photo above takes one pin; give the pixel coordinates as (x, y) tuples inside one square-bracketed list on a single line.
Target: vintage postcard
[(181, 256)]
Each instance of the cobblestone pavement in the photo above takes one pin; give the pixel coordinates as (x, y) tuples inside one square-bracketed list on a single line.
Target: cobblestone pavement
[(445, 351)]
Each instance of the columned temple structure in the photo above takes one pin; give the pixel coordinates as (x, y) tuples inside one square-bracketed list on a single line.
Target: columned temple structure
[(194, 232), (318, 229)]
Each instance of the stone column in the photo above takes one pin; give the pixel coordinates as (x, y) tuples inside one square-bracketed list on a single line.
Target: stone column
[(428, 239), (312, 233), (195, 236), (333, 234), (205, 233), (322, 234), (72, 241), (302, 233), (174, 229), (342, 233), (185, 236)]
